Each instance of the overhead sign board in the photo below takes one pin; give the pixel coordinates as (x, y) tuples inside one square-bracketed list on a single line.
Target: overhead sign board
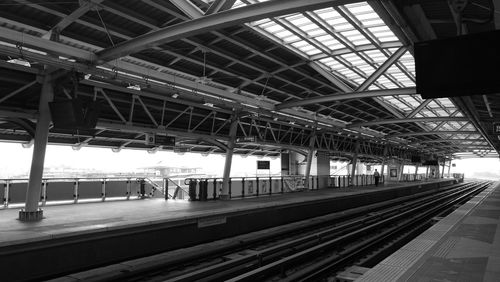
[(246, 139), (496, 127), (263, 164)]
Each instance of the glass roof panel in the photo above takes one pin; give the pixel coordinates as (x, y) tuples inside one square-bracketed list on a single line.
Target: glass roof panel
[(317, 35)]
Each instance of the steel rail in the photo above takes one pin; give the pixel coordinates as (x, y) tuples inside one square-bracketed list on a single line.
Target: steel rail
[(342, 256)]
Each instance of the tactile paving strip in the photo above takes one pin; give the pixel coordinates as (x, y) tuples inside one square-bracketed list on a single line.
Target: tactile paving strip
[(403, 258), (384, 273), (444, 249)]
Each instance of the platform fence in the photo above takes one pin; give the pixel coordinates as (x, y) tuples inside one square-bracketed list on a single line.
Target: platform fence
[(93, 189), (242, 187)]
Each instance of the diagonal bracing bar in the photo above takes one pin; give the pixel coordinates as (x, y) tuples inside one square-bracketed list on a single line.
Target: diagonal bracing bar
[(216, 21), (405, 120), (346, 96)]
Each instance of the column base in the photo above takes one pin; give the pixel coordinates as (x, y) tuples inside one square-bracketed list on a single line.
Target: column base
[(224, 197), (30, 215)]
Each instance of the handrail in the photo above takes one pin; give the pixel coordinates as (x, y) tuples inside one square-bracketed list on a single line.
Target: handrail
[(177, 187), (66, 189)]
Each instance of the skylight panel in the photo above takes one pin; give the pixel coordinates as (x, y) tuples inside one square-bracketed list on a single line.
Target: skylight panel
[(410, 100), (469, 127), (454, 124), (396, 103), (386, 82), (366, 69), (299, 20), (306, 48), (441, 112), (433, 105), (330, 42), (357, 8), (329, 14), (292, 38), (376, 56), (427, 113), (446, 127), (272, 28), (446, 102), (383, 33), (407, 83)]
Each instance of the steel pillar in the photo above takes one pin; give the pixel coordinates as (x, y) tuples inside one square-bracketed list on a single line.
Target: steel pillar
[(312, 140), (354, 161), (224, 195), (449, 168), (31, 212), (384, 160), (442, 171), (400, 171)]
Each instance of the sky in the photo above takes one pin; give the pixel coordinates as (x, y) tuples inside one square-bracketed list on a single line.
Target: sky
[(15, 160)]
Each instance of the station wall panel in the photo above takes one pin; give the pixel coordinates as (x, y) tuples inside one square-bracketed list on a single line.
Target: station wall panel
[(59, 191), (89, 189), (116, 188), (2, 192), (17, 192)]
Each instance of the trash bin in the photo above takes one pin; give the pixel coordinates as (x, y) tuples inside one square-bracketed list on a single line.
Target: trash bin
[(203, 190), (142, 188), (192, 190)]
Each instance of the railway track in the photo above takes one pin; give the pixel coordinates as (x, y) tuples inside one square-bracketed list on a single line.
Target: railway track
[(309, 250)]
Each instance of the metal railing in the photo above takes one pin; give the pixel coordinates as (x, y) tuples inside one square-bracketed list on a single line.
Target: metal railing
[(241, 187), (410, 177), (75, 190), (344, 181)]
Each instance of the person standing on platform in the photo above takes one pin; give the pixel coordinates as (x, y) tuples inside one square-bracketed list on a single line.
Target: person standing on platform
[(376, 175)]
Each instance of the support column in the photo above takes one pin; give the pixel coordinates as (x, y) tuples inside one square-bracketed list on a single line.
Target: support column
[(384, 160), (354, 162), (442, 172), (427, 172), (401, 170), (224, 195), (323, 169), (416, 171), (449, 168), (285, 163), (31, 212), (310, 154)]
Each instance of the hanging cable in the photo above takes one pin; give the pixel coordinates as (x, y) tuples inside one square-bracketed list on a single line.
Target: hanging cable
[(105, 28)]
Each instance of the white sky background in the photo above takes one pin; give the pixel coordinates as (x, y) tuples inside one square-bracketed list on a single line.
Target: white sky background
[(14, 160)]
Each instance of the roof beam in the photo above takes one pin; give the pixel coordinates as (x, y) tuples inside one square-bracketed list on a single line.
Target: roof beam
[(431, 133), (351, 95), (219, 6), (382, 69), (419, 108), (331, 77), (406, 120), (14, 37), (69, 19), (450, 140), (188, 8), (216, 21)]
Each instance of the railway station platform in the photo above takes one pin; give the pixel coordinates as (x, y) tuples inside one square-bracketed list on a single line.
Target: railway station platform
[(75, 237), (463, 246)]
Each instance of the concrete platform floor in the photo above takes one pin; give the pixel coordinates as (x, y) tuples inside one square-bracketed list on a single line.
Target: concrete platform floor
[(77, 219), (463, 246)]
